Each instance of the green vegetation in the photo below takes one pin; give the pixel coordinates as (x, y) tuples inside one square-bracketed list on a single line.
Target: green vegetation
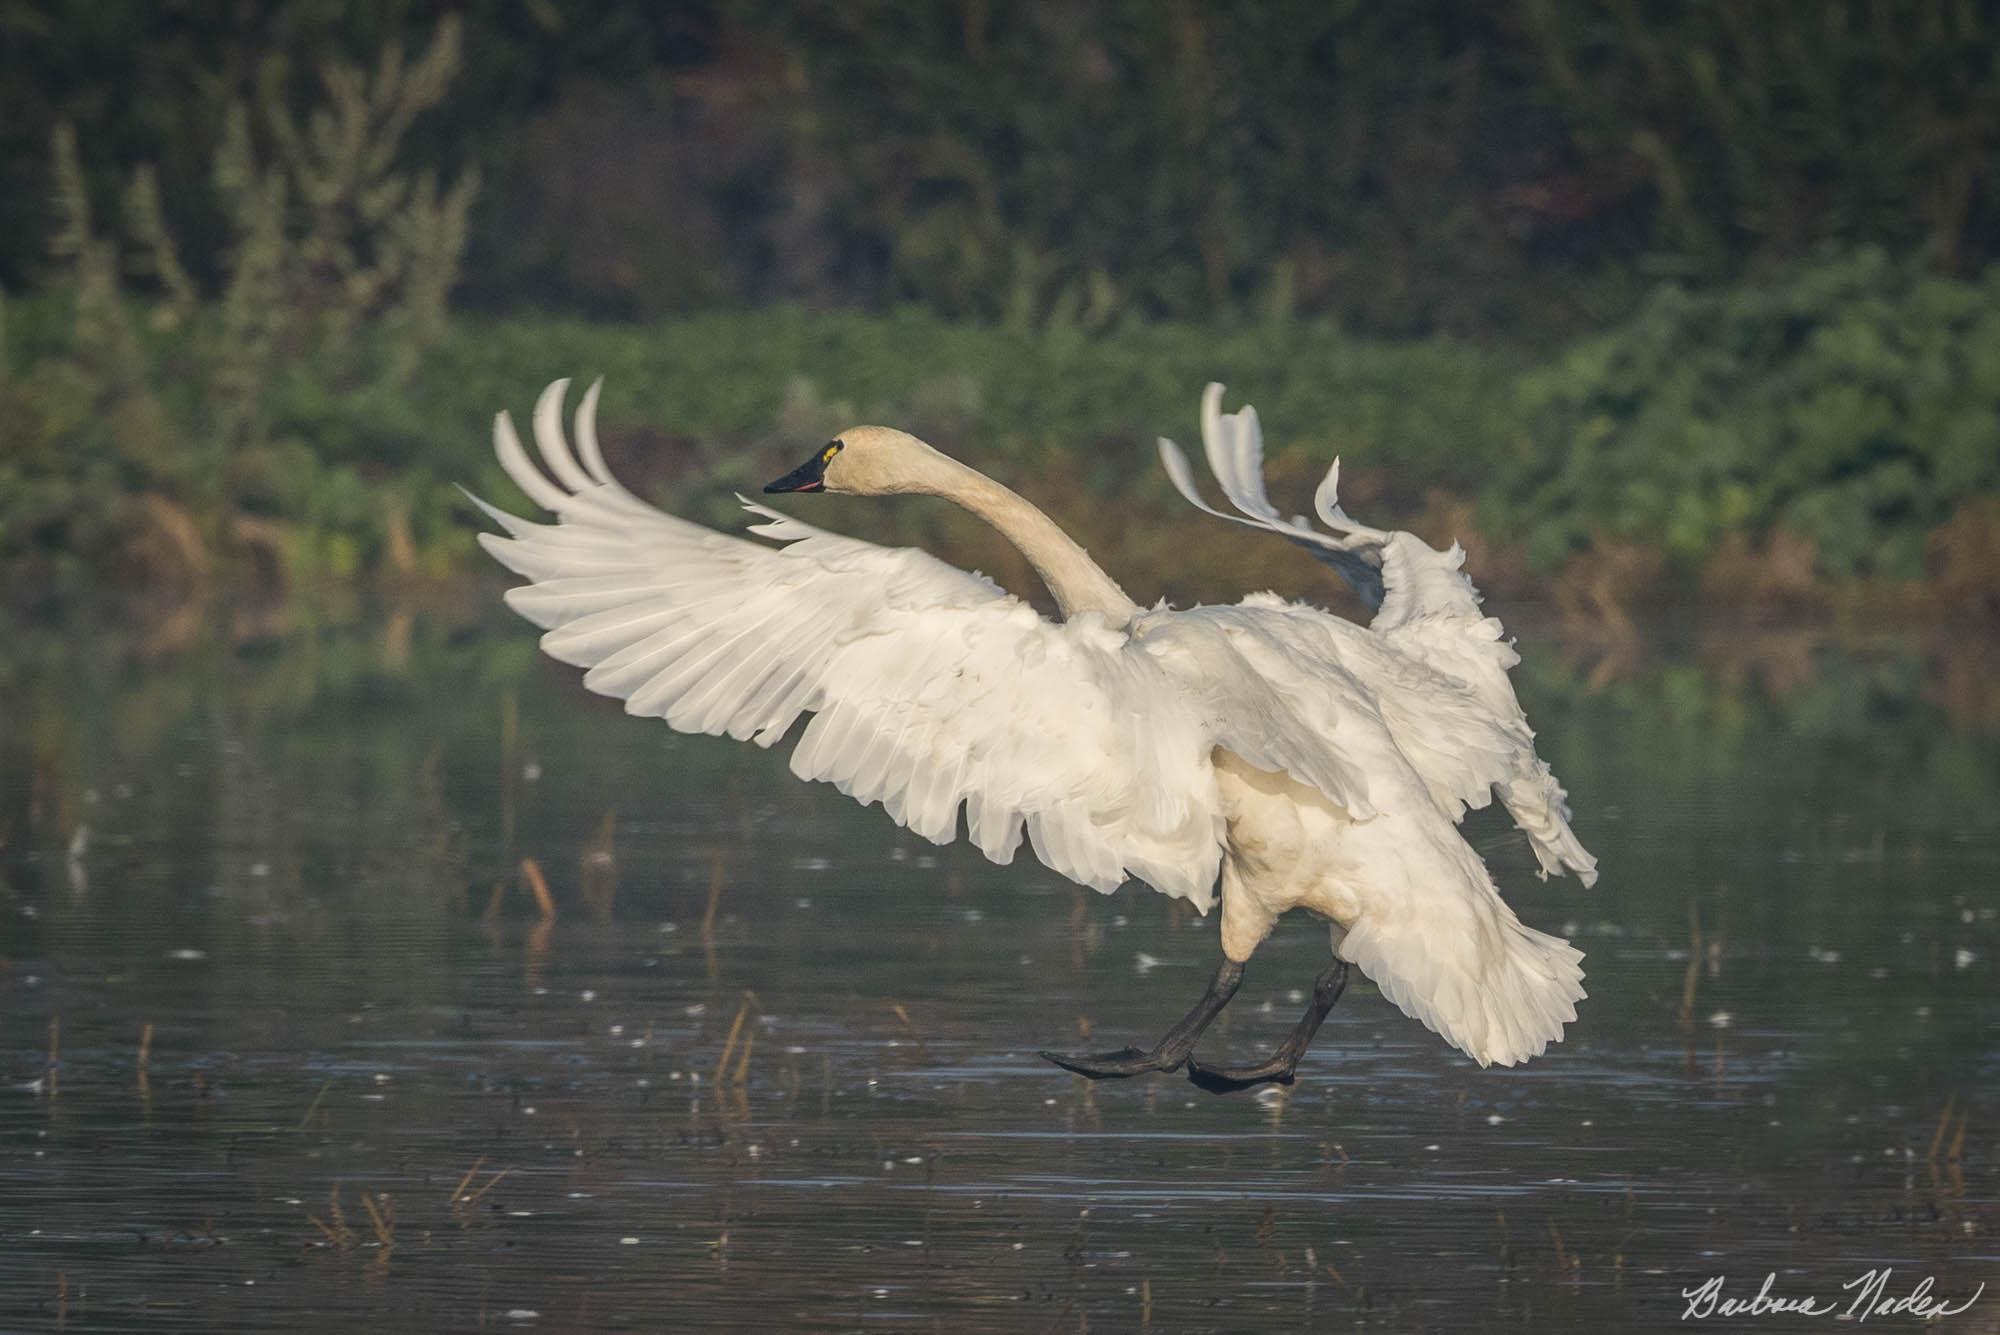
[(1422, 240), (1480, 168), (142, 424), (1853, 405)]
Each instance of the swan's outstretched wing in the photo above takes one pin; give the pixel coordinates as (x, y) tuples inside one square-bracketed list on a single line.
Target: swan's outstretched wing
[(1234, 444), (1397, 574), (930, 689), (1415, 907), (1436, 664), (1442, 694)]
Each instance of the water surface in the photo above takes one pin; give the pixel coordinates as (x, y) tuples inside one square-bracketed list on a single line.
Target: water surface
[(771, 1063)]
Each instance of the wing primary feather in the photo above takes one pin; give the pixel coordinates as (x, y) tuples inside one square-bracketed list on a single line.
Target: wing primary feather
[(587, 446), (507, 445), (549, 438), (516, 527)]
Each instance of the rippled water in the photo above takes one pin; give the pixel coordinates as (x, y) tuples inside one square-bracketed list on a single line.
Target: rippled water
[(284, 1043)]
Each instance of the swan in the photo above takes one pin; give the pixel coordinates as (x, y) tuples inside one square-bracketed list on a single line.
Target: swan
[(1296, 758)]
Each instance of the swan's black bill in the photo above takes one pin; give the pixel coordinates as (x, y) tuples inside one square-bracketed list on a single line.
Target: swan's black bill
[(810, 475)]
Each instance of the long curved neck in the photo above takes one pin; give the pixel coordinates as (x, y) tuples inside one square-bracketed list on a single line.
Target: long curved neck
[(1078, 583)]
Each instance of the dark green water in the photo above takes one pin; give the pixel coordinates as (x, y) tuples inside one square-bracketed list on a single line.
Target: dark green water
[(290, 848)]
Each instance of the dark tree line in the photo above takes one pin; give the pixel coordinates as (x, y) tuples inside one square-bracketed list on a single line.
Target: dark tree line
[(1469, 166)]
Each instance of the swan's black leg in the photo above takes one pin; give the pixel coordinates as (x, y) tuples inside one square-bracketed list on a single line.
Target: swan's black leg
[(1280, 1066), (1172, 1050)]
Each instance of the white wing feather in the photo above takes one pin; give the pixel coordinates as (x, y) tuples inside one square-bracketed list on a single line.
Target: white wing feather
[(1434, 663)]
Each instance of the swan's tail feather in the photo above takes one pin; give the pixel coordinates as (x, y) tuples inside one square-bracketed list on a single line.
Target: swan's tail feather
[(1500, 996)]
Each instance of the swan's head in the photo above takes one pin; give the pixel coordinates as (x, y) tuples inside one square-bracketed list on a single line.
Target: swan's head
[(868, 461)]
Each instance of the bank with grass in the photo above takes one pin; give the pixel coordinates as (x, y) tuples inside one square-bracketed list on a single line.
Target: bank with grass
[(1830, 434)]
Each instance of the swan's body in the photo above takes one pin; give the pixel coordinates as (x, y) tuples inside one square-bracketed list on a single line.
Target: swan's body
[(1304, 760)]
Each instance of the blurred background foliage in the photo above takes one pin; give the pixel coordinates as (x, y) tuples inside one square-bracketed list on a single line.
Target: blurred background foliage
[(1629, 294)]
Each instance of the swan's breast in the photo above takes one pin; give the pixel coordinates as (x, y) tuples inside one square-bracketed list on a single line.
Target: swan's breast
[(1285, 840)]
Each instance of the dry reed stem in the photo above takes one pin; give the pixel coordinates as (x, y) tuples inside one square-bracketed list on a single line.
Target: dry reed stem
[(537, 950), (902, 1013), (338, 1234), (381, 1217), (55, 1053), (531, 872), (463, 1182), (729, 1043), (491, 1183), (145, 1046), (1944, 1124), (1565, 1259)]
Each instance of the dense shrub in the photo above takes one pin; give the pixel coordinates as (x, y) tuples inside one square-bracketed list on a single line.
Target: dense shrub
[(1855, 403), (142, 381)]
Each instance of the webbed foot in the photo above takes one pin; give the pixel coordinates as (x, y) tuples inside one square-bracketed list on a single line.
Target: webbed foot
[(1232, 1079), (1173, 1050), (1281, 1067), (1113, 1065)]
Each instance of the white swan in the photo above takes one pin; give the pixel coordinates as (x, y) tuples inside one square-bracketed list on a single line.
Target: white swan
[(1307, 761)]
